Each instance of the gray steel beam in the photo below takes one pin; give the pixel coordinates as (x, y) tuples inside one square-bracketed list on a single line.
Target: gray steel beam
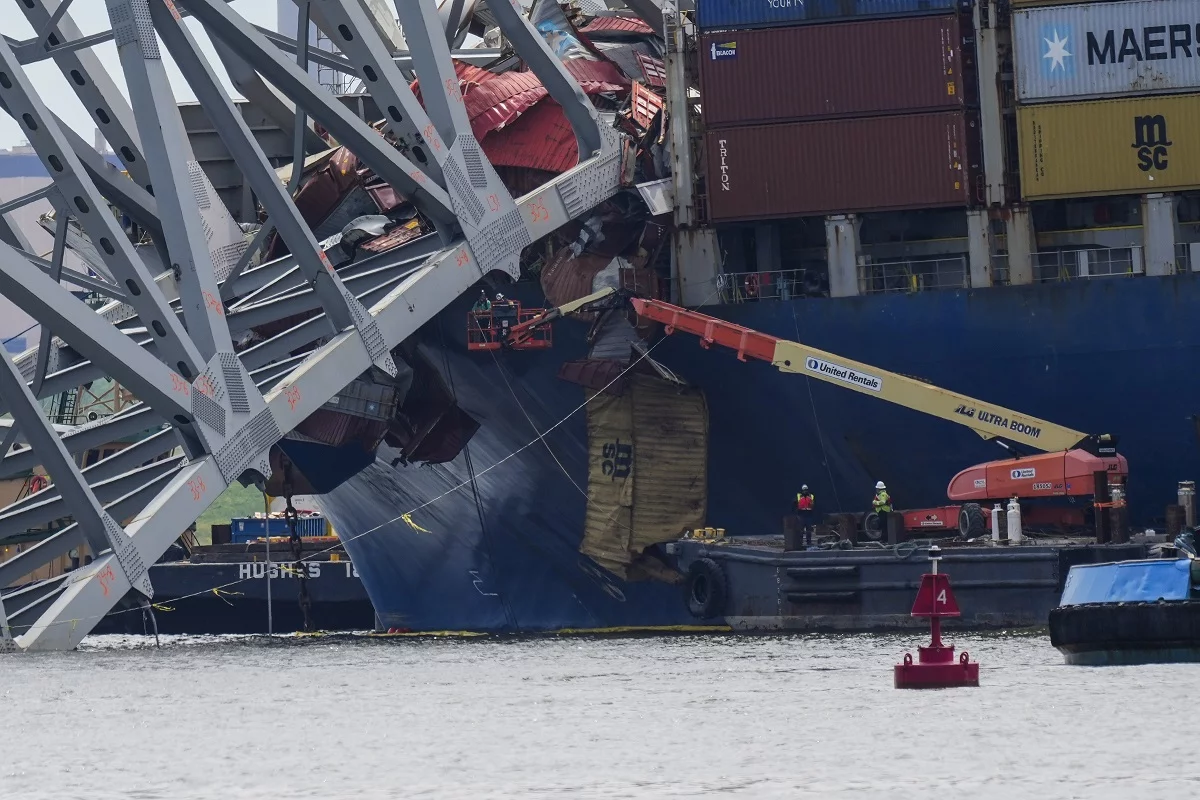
[(71, 536), (282, 276), (315, 54), (32, 51), (49, 506), (44, 31), (119, 463), (49, 303), (283, 344), (162, 133), (79, 279), (91, 83), (129, 423), (243, 318), (229, 285), (88, 205), (266, 378), (56, 265), (371, 149), (300, 125), (476, 56), (650, 12), (495, 228), (344, 24), (157, 444), (65, 379), (100, 530), (278, 108), (26, 199), (340, 306), (120, 189), (440, 91), (12, 236), (115, 119), (404, 258), (29, 602)]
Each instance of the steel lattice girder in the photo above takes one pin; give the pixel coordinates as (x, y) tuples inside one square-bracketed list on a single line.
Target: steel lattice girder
[(207, 395)]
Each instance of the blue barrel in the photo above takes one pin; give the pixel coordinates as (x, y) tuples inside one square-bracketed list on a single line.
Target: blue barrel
[(739, 14)]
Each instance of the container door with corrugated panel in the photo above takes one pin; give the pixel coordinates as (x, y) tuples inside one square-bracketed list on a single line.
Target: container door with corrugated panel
[(609, 521), (647, 471)]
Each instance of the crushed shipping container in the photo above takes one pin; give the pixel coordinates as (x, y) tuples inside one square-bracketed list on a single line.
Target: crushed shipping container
[(1101, 147), (841, 166), (737, 14), (647, 474), (1107, 49), (874, 67)]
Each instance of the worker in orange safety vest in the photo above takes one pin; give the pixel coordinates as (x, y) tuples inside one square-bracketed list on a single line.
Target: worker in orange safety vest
[(806, 512)]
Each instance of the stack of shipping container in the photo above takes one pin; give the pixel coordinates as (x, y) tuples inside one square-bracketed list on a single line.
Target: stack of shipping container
[(837, 106), (1107, 97)]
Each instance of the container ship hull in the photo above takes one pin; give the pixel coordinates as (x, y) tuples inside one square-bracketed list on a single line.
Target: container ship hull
[(438, 551)]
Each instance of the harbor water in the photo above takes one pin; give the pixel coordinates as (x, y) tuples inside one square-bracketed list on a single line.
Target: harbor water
[(761, 717)]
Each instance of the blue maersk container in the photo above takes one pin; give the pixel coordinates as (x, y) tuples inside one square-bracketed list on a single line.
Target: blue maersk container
[(740, 14)]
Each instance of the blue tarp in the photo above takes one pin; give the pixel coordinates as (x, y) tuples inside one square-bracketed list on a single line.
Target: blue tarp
[(1128, 582)]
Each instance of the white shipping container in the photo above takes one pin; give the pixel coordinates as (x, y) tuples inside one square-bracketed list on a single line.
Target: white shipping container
[(1107, 49)]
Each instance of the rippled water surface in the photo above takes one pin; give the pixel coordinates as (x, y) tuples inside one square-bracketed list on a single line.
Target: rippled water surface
[(787, 717)]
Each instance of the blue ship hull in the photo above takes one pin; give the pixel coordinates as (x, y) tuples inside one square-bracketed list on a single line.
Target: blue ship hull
[(1101, 356)]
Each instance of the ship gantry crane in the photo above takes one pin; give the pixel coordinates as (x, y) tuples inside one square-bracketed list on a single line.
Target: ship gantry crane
[(176, 308)]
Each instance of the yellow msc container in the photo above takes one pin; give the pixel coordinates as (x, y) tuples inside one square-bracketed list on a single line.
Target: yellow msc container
[(1135, 146)]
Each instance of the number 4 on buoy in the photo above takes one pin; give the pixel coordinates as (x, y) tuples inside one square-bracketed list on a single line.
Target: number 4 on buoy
[(936, 666), (935, 598)]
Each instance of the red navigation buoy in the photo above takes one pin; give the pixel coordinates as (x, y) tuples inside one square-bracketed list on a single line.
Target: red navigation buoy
[(936, 667)]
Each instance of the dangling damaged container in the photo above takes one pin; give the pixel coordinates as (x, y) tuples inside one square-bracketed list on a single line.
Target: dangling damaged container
[(647, 472)]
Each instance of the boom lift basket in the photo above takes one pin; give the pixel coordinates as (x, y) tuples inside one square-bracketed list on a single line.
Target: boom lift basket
[(485, 329)]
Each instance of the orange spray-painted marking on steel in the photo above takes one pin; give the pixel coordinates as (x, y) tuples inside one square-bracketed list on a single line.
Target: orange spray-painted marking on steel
[(106, 576)]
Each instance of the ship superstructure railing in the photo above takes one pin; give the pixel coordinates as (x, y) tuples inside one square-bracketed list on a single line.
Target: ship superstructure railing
[(913, 275), (951, 272), (1089, 262), (1104, 262), (788, 284)]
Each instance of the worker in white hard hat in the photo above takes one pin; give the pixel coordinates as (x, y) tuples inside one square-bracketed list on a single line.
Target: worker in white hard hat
[(805, 512), (882, 505)]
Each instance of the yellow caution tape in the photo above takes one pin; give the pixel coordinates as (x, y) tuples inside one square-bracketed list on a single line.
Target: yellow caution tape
[(219, 592), (409, 520), (620, 629)]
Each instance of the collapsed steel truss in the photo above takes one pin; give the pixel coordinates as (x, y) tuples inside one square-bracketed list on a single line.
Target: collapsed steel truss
[(167, 334)]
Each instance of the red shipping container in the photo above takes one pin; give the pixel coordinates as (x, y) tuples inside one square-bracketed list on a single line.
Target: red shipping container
[(853, 69), (843, 166)]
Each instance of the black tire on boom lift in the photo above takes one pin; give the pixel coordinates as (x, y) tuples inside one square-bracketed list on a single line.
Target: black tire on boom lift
[(971, 521), (873, 527)]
